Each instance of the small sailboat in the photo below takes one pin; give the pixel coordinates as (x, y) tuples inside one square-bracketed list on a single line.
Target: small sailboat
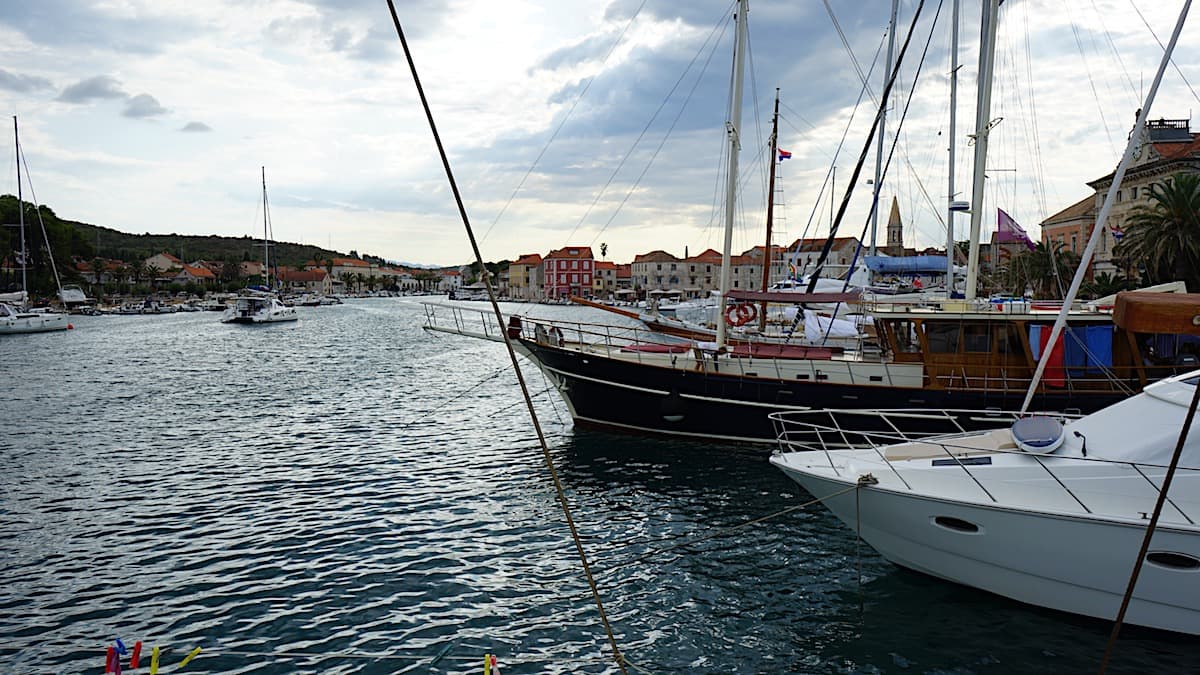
[(261, 305), (15, 315)]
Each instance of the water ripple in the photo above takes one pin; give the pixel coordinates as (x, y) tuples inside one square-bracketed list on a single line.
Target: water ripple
[(355, 490)]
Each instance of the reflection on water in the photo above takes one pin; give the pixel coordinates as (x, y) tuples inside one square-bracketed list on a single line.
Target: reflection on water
[(353, 488)]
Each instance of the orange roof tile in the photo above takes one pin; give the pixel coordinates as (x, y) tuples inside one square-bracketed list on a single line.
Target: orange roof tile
[(575, 252)]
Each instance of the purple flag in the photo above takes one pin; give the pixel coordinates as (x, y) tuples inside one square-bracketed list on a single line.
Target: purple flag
[(1009, 232)]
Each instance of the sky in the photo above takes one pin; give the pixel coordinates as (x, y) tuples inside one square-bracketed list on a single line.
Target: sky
[(566, 122)]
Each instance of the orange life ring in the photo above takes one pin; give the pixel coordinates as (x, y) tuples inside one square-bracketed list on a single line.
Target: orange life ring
[(740, 314)]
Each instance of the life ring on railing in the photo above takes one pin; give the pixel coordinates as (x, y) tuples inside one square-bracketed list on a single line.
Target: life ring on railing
[(740, 314)]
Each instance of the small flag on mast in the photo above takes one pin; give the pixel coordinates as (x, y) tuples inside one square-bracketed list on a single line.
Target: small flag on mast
[(784, 154)]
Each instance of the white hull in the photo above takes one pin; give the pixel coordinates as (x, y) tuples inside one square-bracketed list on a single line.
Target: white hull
[(259, 309), (1073, 562), (13, 322)]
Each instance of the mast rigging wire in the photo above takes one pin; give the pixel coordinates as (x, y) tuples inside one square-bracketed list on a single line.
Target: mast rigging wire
[(621, 164), (561, 124)]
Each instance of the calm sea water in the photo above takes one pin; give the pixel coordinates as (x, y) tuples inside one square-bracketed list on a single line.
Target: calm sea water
[(348, 494)]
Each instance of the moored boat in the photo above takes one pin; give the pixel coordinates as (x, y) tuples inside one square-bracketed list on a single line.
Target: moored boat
[(1046, 510)]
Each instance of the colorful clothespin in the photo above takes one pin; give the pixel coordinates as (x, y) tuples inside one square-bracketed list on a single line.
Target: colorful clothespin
[(108, 658), (137, 654), (188, 659), (154, 661), (487, 664)]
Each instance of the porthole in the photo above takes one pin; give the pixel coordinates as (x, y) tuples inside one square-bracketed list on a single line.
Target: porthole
[(1173, 561), (956, 524)]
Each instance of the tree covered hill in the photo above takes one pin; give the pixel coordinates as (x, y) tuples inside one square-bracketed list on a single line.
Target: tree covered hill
[(71, 241)]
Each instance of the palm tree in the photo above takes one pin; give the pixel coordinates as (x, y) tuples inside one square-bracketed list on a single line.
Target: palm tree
[(1164, 235), (1105, 284), (1040, 270)]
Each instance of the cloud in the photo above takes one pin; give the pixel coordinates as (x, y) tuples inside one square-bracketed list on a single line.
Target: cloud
[(196, 127), (22, 83), (95, 88), (102, 26), (144, 105)]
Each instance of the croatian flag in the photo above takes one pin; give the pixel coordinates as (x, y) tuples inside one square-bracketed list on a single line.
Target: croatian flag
[(1117, 232), (1010, 232), (784, 154)]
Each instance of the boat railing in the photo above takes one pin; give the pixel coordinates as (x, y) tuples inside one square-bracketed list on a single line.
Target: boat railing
[(578, 334), (959, 438)]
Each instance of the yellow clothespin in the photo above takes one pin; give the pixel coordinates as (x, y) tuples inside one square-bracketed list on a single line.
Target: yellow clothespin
[(188, 659), (487, 664), (154, 661)]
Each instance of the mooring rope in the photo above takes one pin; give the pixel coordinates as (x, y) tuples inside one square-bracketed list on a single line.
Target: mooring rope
[(512, 354)]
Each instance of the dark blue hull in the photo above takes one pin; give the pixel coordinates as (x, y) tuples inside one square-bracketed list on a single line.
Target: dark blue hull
[(645, 399)]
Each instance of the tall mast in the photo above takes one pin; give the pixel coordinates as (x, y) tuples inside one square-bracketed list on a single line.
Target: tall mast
[(887, 74), (21, 217), (766, 277), (983, 113), (1109, 199), (266, 238), (953, 138), (733, 131)]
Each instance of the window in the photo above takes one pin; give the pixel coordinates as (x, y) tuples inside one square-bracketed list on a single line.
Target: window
[(1132, 193), (587, 264), (672, 267), (1008, 340), (1074, 237), (658, 267), (977, 338), (1118, 195), (574, 278), (692, 269), (906, 336), (574, 264), (942, 338)]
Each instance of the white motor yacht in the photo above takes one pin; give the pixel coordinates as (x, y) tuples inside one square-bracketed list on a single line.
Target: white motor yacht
[(258, 309), (1049, 511)]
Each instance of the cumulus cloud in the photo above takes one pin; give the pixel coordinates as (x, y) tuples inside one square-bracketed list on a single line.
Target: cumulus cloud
[(196, 127), (22, 83), (96, 88), (144, 105)]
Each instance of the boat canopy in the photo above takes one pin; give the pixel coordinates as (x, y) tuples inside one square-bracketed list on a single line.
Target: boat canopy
[(917, 264)]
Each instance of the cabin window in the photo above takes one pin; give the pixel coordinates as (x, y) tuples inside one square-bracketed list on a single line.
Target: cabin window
[(942, 338), (977, 338), (1008, 340), (906, 337)]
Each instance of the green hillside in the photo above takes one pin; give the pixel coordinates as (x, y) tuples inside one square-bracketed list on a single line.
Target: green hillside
[(71, 241)]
